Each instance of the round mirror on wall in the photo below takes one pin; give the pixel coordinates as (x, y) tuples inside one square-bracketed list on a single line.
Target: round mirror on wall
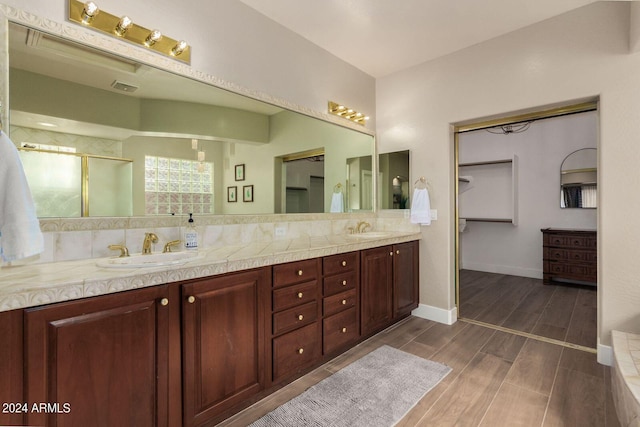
[(578, 179)]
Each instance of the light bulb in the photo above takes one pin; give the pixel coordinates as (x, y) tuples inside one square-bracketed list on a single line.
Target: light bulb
[(194, 144), (89, 12), (201, 156), (153, 37), (122, 27), (179, 48)]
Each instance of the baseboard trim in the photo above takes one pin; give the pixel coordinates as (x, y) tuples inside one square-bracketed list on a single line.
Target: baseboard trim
[(440, 315), (503, 269), (605, 354)]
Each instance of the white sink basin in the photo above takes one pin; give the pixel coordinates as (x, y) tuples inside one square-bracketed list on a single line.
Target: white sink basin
[(152, 260), (372, 235)]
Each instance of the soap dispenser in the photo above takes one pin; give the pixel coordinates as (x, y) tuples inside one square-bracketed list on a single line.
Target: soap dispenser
[(190, 235)]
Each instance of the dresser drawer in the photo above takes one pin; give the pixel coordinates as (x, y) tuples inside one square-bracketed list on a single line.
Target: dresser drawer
[(295, 272), (340, 263), (585, 272), (570, 241), (295, 350), (295, 317), (294, 295), (560, 254), (340, 282), (339, 302), (339, 330)]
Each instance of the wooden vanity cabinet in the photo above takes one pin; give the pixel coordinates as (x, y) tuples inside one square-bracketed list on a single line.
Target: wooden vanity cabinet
[(223, 340), (105, 361), (11, 365), (296, 312), (389, 286), (341, 301)]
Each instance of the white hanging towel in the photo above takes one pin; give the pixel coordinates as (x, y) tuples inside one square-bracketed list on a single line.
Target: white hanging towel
[(20, 235), (337, 202), (421, 207)]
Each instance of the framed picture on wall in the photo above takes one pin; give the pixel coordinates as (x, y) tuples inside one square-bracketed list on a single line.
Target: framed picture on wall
[(232, 194), (240, 172), (247, 193)]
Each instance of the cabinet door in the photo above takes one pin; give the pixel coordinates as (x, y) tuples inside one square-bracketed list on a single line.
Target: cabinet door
[(223, 342), (11, 365), (405, 278), (103, 361), (376, 292)]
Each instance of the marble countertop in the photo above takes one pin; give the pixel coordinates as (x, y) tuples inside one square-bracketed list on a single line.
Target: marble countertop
[(40, 284)]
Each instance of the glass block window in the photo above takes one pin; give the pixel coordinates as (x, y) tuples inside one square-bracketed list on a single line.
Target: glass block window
[(177, 186)]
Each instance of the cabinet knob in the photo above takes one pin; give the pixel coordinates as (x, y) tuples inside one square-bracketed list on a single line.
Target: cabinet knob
[(300, 295), (344, 302), (300, 350), (300, 317), (299, 272), (398, 252), (344, 330), (344, 263), (391, 253), (191, 299), (164, 301), (344, 283)]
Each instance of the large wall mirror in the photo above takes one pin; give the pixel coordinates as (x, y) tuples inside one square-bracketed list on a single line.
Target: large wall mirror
[(104, 135), (579, 179)]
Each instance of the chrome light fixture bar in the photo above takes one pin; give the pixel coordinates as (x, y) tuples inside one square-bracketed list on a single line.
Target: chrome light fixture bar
[(89, 15), (347, 113)]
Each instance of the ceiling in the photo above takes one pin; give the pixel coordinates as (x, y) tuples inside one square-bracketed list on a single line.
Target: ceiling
[(381, 37)]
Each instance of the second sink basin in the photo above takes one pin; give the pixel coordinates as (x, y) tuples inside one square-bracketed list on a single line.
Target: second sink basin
[(372, 235), (152, 260)]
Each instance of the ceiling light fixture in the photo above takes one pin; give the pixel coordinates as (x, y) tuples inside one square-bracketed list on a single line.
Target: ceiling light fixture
[(88, 14), (347, 113), (511, 128)]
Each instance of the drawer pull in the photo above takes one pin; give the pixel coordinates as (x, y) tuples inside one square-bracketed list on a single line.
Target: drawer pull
[(300, 350), (344, 283), (300, 317), (344, 330), (191, 299), (164, 301), (344, 302), (299, 272), (344, 263), (299, 295), (398, 252), (391, 253)]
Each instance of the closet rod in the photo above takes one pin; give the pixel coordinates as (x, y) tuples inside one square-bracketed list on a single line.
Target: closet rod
[(505, 220), (490, 162)]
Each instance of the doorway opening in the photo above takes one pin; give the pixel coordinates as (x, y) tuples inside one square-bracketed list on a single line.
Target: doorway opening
[(509, 188)]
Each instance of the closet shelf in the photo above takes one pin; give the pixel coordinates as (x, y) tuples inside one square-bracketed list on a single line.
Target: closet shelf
[(503, 220), (489, 162)]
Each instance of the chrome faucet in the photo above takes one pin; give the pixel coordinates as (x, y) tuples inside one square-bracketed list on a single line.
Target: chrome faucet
[(149, 238), (362, 225)]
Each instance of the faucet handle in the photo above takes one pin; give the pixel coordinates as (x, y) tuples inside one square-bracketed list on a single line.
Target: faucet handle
[(168, 245), (124, 252)]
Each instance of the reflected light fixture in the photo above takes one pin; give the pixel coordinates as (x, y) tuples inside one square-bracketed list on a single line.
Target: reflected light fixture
[(88, 14), (347, 113)]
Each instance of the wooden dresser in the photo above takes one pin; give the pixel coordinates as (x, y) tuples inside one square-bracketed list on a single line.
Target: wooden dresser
[(569, 255)]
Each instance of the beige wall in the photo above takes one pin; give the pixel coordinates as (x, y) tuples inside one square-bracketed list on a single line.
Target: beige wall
[(582, 54)]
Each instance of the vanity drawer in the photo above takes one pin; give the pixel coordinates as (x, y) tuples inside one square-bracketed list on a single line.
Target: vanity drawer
[(340, 263), (340, 282), (339, 330), (295, 350), (295, 272), (294, 295), (295, 317), (337, 303)]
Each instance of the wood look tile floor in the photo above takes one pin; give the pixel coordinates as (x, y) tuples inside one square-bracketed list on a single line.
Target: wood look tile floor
[(560, 312), (498, 379)]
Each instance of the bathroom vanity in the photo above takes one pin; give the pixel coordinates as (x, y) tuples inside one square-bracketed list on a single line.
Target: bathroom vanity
[(193, 352)]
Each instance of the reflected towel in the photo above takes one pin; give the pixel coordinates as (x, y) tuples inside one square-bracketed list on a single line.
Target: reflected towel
[(337, 202), (421, 207), (20, 235)]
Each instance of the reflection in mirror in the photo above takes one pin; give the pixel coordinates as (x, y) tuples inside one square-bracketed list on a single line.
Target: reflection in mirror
[(359, 184), (393, 184), (578, 179), (162, 143), (304, 183)]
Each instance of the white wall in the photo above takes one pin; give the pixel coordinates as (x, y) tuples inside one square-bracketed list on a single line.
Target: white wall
[(234, 42), (517, 250), (580, 54)]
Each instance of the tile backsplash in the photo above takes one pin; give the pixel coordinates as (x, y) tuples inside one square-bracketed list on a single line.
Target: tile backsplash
[(84, 238)]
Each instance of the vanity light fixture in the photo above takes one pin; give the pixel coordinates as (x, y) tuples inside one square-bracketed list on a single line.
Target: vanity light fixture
[(123, 26), (347, 113), (88, 14)]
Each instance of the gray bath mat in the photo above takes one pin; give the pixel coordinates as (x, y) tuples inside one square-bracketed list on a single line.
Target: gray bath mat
[(376, 390)]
